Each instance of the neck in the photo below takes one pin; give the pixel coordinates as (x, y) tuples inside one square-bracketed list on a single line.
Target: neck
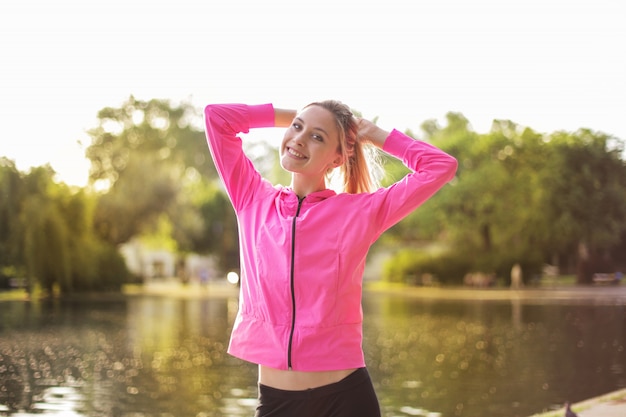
[(304, 186)]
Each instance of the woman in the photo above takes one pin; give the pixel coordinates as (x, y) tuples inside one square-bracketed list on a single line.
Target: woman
[(303, 248)]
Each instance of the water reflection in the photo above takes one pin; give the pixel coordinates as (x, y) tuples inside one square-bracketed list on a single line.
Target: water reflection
[(492, 358), (135, 357), (148, 356), (62, 401)]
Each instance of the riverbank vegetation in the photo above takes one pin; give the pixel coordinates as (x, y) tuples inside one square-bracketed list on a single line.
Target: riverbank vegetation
[(519, 197)]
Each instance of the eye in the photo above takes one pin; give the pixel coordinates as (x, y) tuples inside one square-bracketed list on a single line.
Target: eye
[(318, 138), (296, 126)]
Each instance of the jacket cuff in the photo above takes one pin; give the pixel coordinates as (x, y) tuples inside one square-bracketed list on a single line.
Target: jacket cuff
[(261, 115), (397, 143)]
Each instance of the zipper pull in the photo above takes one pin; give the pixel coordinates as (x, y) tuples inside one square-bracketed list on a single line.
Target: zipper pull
[(300, 201)]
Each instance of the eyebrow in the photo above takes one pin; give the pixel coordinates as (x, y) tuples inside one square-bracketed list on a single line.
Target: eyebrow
[(315, 128)]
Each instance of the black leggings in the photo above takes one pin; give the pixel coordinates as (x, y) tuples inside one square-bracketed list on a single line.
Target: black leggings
[(353, 396)]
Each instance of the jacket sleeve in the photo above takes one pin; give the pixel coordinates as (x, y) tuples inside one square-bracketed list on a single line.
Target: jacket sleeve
[(431, 169), (223, 124)]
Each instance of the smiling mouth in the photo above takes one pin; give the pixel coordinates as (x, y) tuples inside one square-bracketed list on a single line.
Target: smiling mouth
[(290, 151)]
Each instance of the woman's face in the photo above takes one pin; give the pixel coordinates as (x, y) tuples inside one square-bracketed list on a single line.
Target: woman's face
[(311, 144)]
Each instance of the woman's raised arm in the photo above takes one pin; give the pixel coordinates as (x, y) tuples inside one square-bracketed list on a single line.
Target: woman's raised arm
[(284, 117)]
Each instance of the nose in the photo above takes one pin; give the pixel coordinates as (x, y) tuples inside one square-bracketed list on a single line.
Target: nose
[(298, 138)]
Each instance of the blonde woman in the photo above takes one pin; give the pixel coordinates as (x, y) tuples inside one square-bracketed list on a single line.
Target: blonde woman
[(303, 248)]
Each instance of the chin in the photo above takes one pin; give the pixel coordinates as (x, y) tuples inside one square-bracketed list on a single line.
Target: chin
[(285, 166)]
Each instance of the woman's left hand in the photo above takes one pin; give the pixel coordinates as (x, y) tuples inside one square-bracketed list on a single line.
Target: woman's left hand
[(368, 132)]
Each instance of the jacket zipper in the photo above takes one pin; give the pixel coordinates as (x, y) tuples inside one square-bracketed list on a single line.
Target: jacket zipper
[(293, 287)]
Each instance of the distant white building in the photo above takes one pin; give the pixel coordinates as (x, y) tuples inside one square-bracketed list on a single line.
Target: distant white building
[(151, 264)]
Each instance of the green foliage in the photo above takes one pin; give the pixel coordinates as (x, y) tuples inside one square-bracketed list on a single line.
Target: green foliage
[(112, 271), (518, 197), (417, 267), (136, 200), (143, 153), (160, 236), (220, 233), (10, 199), (590, 217), (406, 266), (47, 229), (160, 181), (167, 133)]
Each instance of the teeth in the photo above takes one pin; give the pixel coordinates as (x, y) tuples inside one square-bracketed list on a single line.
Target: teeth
[(294, 153)]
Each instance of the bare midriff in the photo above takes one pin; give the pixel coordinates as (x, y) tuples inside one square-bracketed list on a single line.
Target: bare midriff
[(297, 380)]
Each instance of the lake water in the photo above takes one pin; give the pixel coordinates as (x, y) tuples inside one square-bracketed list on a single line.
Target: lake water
[(144, 356)]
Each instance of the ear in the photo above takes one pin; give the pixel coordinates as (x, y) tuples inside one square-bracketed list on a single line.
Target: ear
[(337, 161)]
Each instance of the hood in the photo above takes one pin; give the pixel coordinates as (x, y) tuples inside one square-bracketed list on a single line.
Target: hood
[(288, 199)]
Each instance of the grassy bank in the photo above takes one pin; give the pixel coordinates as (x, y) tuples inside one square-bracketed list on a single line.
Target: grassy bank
[(13, 295)]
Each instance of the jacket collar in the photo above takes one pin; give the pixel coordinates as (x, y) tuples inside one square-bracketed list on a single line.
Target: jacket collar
[(289, 199)]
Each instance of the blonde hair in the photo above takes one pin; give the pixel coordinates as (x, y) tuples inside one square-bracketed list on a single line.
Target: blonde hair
[(360, 162)]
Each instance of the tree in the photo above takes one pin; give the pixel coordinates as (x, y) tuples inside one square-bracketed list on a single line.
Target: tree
[(10, 234), (144, 152), (147, 188), (523, 197), (157, 169), (586, 202), (219, 235), (47, 230), (156, 127)]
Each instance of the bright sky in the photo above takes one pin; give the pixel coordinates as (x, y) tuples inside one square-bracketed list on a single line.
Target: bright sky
[(547, 64)]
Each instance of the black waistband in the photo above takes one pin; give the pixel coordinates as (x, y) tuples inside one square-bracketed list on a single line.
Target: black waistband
[(354, 379)]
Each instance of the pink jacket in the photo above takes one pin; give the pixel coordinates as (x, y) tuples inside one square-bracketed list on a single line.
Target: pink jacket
[(302, 261)]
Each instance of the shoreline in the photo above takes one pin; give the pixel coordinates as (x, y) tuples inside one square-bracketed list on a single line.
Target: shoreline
[(595, 294), (612, 404), (601, 294)]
